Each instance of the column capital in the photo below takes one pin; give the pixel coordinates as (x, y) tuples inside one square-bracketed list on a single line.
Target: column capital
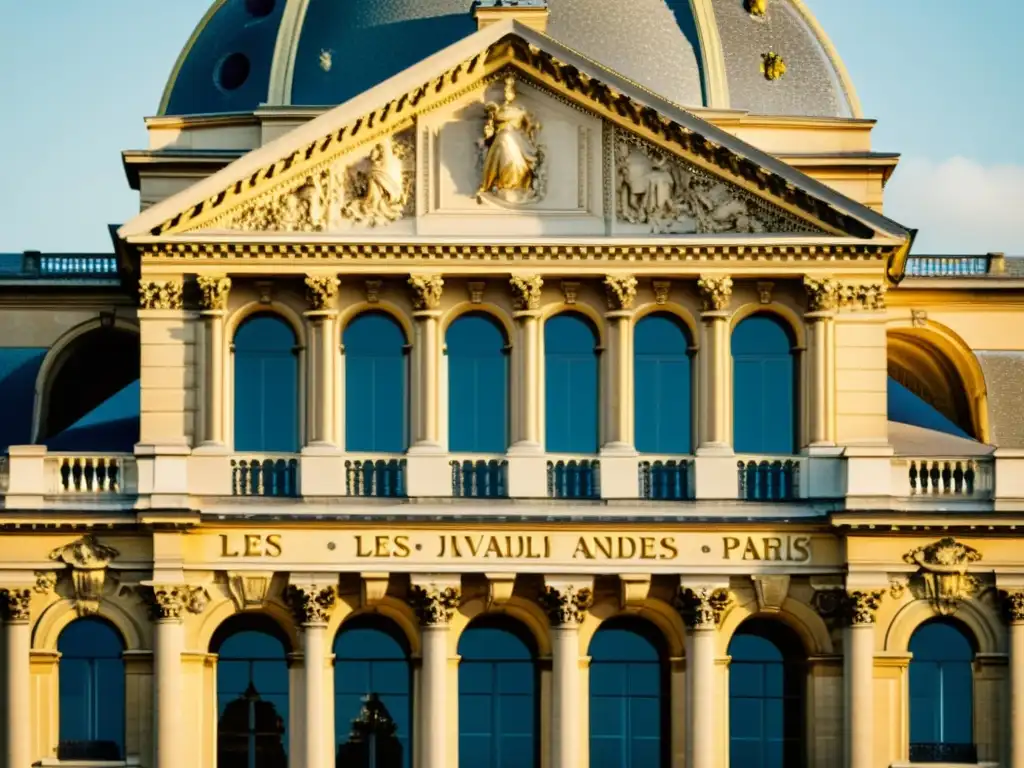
[(526, 291), (434, 604), (823, 294), (1013, 605), (715, 292), (426, 291), (168, 602), (621, 291), (702, 607), (15, 604), (214, 290), (566, 604), (862, 606), (311, 603)]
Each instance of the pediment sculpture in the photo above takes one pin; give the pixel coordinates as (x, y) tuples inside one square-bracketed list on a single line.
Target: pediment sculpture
[(943, 576), (671, 196), (511, 154)]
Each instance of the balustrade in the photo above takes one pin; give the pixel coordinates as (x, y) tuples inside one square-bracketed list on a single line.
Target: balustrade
[(88, 474), (480, 478), (274, 476), (574, 479), (768, 479), (947, 266), (380, 477), (945, 477), (663, 479)]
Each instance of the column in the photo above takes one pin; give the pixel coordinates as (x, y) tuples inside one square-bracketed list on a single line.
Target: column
[(214, 301), (822, 300), (1015, 728), (426, 292), (715, 406), (435, 604), (527, 418), (860, 665), (701, 608), (17, 715), (621, 293), (565, 605), (312, 604), (169, 739), (321, 392)]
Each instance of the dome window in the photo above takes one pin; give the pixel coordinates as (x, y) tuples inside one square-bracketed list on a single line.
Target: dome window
[(233, 71), (259, 8)]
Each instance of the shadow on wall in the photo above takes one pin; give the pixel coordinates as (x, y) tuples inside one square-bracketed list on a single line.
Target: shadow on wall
[(907, 408), (19, 367)]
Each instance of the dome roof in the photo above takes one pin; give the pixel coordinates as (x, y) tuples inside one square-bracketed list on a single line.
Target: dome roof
[(323, 52)]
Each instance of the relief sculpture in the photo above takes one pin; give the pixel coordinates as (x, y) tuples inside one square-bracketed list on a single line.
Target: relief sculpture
[(513, 158)]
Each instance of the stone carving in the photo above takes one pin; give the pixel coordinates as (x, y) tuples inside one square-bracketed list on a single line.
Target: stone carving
[(756, 8), (570, 291), (526, 290), (1013, 605), (215, 290), (514, 170), (167, 602), (919, 318), (822, 293), (381, 194), (869, 297), (764, 292), (897, 588), (661, 290), (715, 293), (311, 603), (830, 604), (862, 606), (15, 604), (248, 590), (772, 66), (943, 573), (476, 291), (373, 291), (567, 604), (434, 604), (621, 291), (88, 560), (771, 592), (161, 294), (702, 608), (321, 290), (426, 291), (46, 581)]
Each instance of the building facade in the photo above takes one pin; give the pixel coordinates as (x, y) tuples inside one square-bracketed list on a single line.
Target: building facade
[(561, 398)]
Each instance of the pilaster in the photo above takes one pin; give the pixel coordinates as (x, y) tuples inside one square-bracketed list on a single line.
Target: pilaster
[(312, 602), (714, 429)]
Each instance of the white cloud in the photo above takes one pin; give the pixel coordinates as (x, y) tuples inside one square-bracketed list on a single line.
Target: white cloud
[(959, 205)]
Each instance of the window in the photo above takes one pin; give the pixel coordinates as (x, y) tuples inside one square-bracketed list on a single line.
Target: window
[(266, 386), (92, 691), (764, 387), (662, 397), (252, 694), (766, 697), (497, 696), (371, 668), (629, 714), (477, 385), (571, 375), (942, 694), (376, 388)]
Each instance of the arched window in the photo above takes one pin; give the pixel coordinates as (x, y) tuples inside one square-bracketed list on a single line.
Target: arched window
[(266, 386), (252, 693), (629, 714), (371, 670), (497, 696), (376, 385), (764, 387), (662, 397), (92, 691), (942, 694), (767, 678), (571, 376), (477, 385)]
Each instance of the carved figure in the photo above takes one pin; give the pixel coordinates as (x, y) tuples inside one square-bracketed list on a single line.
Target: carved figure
[(512, 155), (384, 194)]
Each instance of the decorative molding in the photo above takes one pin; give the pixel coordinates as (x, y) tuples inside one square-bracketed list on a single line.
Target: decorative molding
[(161, 294), (322, 291), (570, 291), (715, 293), (823, 294), (764, 291), (476, 289), (214, 291), (248, 590), (374, 586), (169, 601), (943, 576), (426, 291), (621, 291), (373, 291), (566, 604), (771, 592), (311, 603), (702, 607), (88, 560), (634, 589), (434, 604), (514, 168), (15, 604), (526, 291), (661, 289), (500, 587), (773, 66), (46, 582), (862, 606)]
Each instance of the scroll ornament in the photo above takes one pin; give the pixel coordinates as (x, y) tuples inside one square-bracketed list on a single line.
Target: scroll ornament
[(88, 560), (943, 573), (566, 605), (434, 604), (526, 291)]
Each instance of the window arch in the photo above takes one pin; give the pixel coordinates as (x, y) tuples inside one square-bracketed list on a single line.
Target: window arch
[(767, 678), (764, 386), (629, 712), (498, 712), (371, 668), (572, 384), (252, 693), (376, 385), (266, 386), (92, 691), (662, 393), (477, 385), (942, 693)]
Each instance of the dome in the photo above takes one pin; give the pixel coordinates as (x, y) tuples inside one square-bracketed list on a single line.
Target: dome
[(320, 53)]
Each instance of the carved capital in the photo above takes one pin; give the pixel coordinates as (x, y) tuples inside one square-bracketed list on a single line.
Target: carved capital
[(88, 560), (434, 604), (1013, 605), (822, 294), (169, 601), (862, 606), (566, 605), (621, 291), (311, 603), (161, 294), (15, 604), (321, 291), (702, 608), (215, 290), (715, 293), (526, 290), (943, 573), (426, 291)]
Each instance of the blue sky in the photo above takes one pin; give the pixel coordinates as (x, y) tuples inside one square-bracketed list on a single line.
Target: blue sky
[(941, 76)]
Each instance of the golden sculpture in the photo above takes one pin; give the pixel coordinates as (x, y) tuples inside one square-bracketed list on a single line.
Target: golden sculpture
[(772, 66), (383, 193), (512, 157), (757, 7)]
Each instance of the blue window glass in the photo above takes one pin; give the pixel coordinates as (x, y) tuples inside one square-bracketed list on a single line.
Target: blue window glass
[(662, 386), (941, 693), (376, 385), (92, 691), (252, 694), (497, 697), (477, 385), (628, 707), (571, 376), (266, 386), (907, 407), (371, 659), (764, 387), (766, 711)]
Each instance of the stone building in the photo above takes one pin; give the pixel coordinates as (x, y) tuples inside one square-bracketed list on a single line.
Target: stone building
[(512, 385)]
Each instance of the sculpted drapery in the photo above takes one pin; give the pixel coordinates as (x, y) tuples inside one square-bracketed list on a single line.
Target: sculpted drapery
[(512, 155)]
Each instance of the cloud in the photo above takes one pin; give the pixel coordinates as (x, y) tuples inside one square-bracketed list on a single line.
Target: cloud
[(959, 205)]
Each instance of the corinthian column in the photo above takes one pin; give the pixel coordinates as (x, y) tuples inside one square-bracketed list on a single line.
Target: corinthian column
[(1014, 602), (435, 604), (527, 421), (822, 302), (860, 663), (715, 397), (322, 393), (214, 301), (17, 711), (312, 604), (701, 609), (426, 296), (621, 292)]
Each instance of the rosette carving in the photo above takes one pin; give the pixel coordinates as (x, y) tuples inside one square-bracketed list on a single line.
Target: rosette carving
[(566, 605), (434, 604), (214, 290), (715, 293), (426, 291), (621, 290), (311, 603), (526, 290)]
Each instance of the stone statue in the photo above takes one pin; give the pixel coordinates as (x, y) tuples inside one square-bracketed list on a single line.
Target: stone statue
[(384, 193), (512, 157)]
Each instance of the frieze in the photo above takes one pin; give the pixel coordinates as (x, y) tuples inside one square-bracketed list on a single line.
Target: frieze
[(161, 294)]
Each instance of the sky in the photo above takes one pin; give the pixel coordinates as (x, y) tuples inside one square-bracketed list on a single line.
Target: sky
[(940, 76)]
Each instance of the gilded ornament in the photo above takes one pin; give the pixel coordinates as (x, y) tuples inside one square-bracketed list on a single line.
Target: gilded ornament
[(943, 573), (214, 290), (757, 8), (566, 605), (15, 604), (311, 603), (661, 290), (322, 290), (862, 606), (426, 291), (702, 608), (772, 66), (715, 293), (823, 294), (513, 159), (434, 604), (526, 291), (621, 291), (161, 294)]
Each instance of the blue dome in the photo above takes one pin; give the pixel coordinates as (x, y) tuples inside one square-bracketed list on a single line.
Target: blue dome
[(321, 53)]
